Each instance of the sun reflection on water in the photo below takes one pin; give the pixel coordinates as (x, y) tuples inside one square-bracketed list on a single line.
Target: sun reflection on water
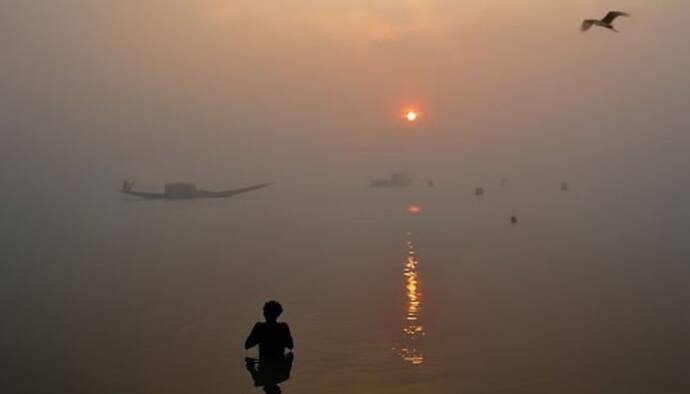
[(412, 328)]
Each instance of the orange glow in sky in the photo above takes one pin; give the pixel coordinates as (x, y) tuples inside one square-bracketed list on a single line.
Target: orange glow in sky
[(411, 116)]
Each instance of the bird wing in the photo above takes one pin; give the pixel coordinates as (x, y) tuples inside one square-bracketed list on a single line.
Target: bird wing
[(613, 15), (587, 24)]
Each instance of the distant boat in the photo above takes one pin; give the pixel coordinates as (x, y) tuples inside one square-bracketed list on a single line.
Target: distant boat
[(513, 219), (396, 180), (479, 191), (185, 191)]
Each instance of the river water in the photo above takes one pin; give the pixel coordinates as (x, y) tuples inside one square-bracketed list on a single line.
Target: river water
[(585, 294)]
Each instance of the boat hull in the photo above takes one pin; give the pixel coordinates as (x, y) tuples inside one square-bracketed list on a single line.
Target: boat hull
[(197, 194)]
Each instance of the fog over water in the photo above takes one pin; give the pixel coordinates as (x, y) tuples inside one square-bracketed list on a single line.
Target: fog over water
[(105, 293)]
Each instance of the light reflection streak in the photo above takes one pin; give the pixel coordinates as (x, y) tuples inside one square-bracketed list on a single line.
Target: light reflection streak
[(412, 327)]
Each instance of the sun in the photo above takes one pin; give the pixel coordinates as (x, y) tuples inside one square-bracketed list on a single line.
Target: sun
[(411, 116)]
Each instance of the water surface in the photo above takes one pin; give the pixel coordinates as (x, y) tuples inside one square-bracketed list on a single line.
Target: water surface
[(106, 294)]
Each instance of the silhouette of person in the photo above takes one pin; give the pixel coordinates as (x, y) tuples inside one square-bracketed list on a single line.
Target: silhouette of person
[(273, 338), (268, 373)]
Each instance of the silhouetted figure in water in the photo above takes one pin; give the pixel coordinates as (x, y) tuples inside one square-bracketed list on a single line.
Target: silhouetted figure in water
[(564, 187), (268, 373), (273, 339), (513, 219), (479, 191)]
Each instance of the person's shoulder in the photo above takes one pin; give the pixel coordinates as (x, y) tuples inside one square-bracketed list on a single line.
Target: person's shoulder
[(283, 325)]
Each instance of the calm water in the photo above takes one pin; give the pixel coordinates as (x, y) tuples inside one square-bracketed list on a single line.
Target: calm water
[(586, 294)]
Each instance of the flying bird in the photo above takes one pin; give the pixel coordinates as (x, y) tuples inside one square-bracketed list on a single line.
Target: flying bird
[(607, 22)]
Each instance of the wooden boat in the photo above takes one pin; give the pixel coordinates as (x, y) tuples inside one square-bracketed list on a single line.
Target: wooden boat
[(186, 191)]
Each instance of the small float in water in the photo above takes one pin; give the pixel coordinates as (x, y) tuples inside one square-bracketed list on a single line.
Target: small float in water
[(185, 191)]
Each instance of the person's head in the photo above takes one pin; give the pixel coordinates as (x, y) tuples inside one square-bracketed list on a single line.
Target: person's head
[(272, 309)]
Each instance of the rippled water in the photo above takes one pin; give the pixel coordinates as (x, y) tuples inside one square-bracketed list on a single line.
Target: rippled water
[(586, 294)]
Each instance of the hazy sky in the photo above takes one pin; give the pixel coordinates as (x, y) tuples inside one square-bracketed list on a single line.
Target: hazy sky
[(263, 90), (310, 94)]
